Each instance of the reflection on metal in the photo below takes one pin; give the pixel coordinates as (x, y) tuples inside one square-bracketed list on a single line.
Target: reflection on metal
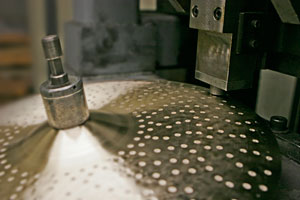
[(63, 96), (219, 66), (216, 91), (144, 140), (213, 58), (228, 42)]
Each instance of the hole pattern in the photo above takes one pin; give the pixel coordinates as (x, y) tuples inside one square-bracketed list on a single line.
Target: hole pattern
[(193, 131), (180, 139)]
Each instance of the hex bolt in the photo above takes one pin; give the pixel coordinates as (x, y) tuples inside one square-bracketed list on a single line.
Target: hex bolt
[(256, 23), (253, 44), (218, 13), (278, 124), (195, 11)]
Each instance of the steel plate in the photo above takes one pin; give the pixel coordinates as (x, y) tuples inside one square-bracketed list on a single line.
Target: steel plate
[(144, 140)]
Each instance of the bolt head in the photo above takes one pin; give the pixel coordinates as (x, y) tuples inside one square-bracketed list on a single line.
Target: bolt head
[(278, 124), (256, 23), (218, 13), (195, 11), (253, 44)]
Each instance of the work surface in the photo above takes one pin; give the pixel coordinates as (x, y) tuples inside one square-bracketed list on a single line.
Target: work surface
[(144, 140)]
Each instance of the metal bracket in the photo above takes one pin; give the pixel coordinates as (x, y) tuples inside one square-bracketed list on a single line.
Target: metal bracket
[(249, 34)]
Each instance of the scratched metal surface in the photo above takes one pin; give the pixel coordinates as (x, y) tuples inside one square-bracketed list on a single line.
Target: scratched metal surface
[(144, 140)]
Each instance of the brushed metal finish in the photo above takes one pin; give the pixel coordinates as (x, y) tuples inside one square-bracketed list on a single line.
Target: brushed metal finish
[(213, 58), (218, 66), (67, 111), (220, 23), (205, 19), (53, 54), (287, 11), (144, 140), (51, 46), (65, 106), (63, 96)]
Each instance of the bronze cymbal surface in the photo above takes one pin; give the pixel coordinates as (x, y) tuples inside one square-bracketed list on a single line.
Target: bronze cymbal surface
[(144, 140)]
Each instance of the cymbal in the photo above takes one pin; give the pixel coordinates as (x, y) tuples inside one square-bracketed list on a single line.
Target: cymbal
[(143, 140)]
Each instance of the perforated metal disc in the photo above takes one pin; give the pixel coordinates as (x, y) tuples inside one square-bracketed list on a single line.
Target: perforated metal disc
[(144, 140)]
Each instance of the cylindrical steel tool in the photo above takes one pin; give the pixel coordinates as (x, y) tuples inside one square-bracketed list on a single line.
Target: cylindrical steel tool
[(63, 95)]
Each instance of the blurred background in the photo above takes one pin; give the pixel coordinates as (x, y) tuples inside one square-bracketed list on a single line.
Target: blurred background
[(101, 40), (151, 39), (22, 25), (15, 53)]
